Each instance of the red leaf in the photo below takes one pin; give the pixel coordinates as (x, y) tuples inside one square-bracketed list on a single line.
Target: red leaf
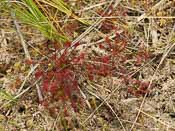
[(107, 40), (82, 55), (50, 75), (53, 88), (105, 59), (138, 60), (76, 44), (146, 55), (74, 106), (44, 103), (45, 85), (117, 35), (65, 111), (101, 46), (91, 77), (39, 73), (29, 61), (123, 45), (130, 90), (137, 82), (68, 44), (67, 91)]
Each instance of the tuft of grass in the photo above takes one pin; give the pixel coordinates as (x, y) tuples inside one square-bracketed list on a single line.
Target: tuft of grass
[(29, 13), (6, 96)]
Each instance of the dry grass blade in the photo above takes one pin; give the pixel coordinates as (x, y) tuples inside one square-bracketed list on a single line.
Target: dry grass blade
[(160, 121), (96, 23), (160, 3), (62, 7), (26, 53), (103, 102), (12, 99), (98, 97), (170, 46)]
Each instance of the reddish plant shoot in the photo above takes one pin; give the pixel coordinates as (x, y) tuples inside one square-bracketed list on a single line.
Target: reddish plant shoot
[(60, 74)]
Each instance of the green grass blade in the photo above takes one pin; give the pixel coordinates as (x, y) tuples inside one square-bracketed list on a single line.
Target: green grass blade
[(6, 96), (30, 14)]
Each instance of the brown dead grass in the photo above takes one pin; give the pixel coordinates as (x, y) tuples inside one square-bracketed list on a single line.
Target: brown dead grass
[(111, 107)]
